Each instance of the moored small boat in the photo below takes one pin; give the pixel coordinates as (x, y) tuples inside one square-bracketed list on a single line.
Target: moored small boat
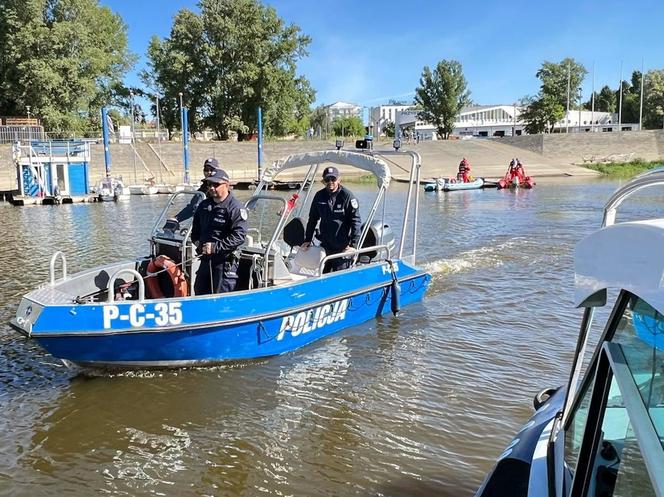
[(601, 433), (143, 189), (111, 189), (451, 184), (169, 189)]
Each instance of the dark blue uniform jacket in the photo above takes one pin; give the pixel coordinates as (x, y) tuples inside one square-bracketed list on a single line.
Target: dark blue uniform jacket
[(221, 223), (339, 215)]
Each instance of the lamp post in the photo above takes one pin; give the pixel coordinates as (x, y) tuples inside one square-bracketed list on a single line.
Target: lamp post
[(27, 108), (643, 76), (620, 88), (156, 98), (592, 104), (514, 119), (569, 84), (185, 139), (133, 148)]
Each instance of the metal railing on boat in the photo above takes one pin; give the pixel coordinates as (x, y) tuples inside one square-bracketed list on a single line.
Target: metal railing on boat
[(136, 274), (52, 266), (354, 253), (654, 177)]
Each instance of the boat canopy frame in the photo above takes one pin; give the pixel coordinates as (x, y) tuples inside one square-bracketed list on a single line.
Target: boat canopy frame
[(370, 161)]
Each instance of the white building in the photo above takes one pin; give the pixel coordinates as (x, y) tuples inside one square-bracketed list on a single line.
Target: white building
[(585, 121), (343, 109), (489, 120), (380, 116), (413, 128)]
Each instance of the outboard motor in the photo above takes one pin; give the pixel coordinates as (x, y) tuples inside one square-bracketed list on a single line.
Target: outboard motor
[(378, 234)]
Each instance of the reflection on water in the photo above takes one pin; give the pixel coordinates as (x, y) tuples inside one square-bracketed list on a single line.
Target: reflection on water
[(418, 405)]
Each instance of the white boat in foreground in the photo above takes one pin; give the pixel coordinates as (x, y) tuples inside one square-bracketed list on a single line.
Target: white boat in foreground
[(602, 434), (122, 314)]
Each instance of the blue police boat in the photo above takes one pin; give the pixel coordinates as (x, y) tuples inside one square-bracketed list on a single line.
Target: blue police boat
[(142, 313), (602, 434)]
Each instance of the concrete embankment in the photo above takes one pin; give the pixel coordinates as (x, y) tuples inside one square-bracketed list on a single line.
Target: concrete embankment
[(542, 155)]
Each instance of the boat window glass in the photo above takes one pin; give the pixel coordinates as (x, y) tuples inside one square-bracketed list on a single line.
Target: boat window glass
[(264, 215), (619, 468), (640, 334), (574, 434)]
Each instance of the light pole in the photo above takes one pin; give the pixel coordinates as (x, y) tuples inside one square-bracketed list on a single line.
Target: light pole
[(27, 108), (514, 120), (133, 147), (592, 104), (569, 83), (159, 138), (185, 139), (643, 76), (620, 98)]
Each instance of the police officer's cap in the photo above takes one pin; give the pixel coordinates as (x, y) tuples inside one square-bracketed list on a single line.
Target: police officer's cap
[(330, 172), (211, 163), (219, 176)]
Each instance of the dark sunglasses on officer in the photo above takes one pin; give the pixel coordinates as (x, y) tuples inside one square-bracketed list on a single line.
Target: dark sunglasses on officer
[(330, 179)]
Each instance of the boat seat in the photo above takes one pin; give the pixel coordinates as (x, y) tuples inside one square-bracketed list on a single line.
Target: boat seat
[(294, 232), (307, 262)]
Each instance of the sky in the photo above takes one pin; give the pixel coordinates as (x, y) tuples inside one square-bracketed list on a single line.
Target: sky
[(368, 52)]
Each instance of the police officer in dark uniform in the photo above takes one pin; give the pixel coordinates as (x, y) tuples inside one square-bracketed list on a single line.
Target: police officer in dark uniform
[(338, 211), (210, 166), (219, 228)]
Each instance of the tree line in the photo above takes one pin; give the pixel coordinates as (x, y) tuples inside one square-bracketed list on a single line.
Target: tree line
[(63, 60)]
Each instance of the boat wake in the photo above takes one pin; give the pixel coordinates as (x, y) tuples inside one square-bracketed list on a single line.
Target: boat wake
[(491, 256)]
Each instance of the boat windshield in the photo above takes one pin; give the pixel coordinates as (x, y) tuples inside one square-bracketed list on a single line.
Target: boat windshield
[(633, 382), (180, 207), (641, 338)]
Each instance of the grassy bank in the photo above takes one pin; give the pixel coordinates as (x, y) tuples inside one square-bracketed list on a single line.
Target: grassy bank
[(625, 169)]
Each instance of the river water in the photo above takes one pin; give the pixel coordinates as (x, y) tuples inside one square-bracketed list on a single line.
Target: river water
[(413, 406)]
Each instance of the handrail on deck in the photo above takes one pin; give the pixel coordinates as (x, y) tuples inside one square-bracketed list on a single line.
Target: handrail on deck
[(52, 266), (650, 178), (351, 253), (111, 284)]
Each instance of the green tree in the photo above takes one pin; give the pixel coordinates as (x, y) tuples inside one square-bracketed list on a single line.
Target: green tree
[(319, 119), (63, 59), (441, 95), (348, 126), (653, 99), (605, 101), (559, 80), (631, 98), (388, 129), (231, 58), (541, 114), (178, 65)]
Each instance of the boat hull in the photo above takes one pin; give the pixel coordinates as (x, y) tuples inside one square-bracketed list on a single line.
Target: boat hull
[(459, 185), (214, 329)]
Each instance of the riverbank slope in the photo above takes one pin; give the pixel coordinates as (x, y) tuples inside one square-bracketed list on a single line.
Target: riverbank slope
[(542, 155)]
